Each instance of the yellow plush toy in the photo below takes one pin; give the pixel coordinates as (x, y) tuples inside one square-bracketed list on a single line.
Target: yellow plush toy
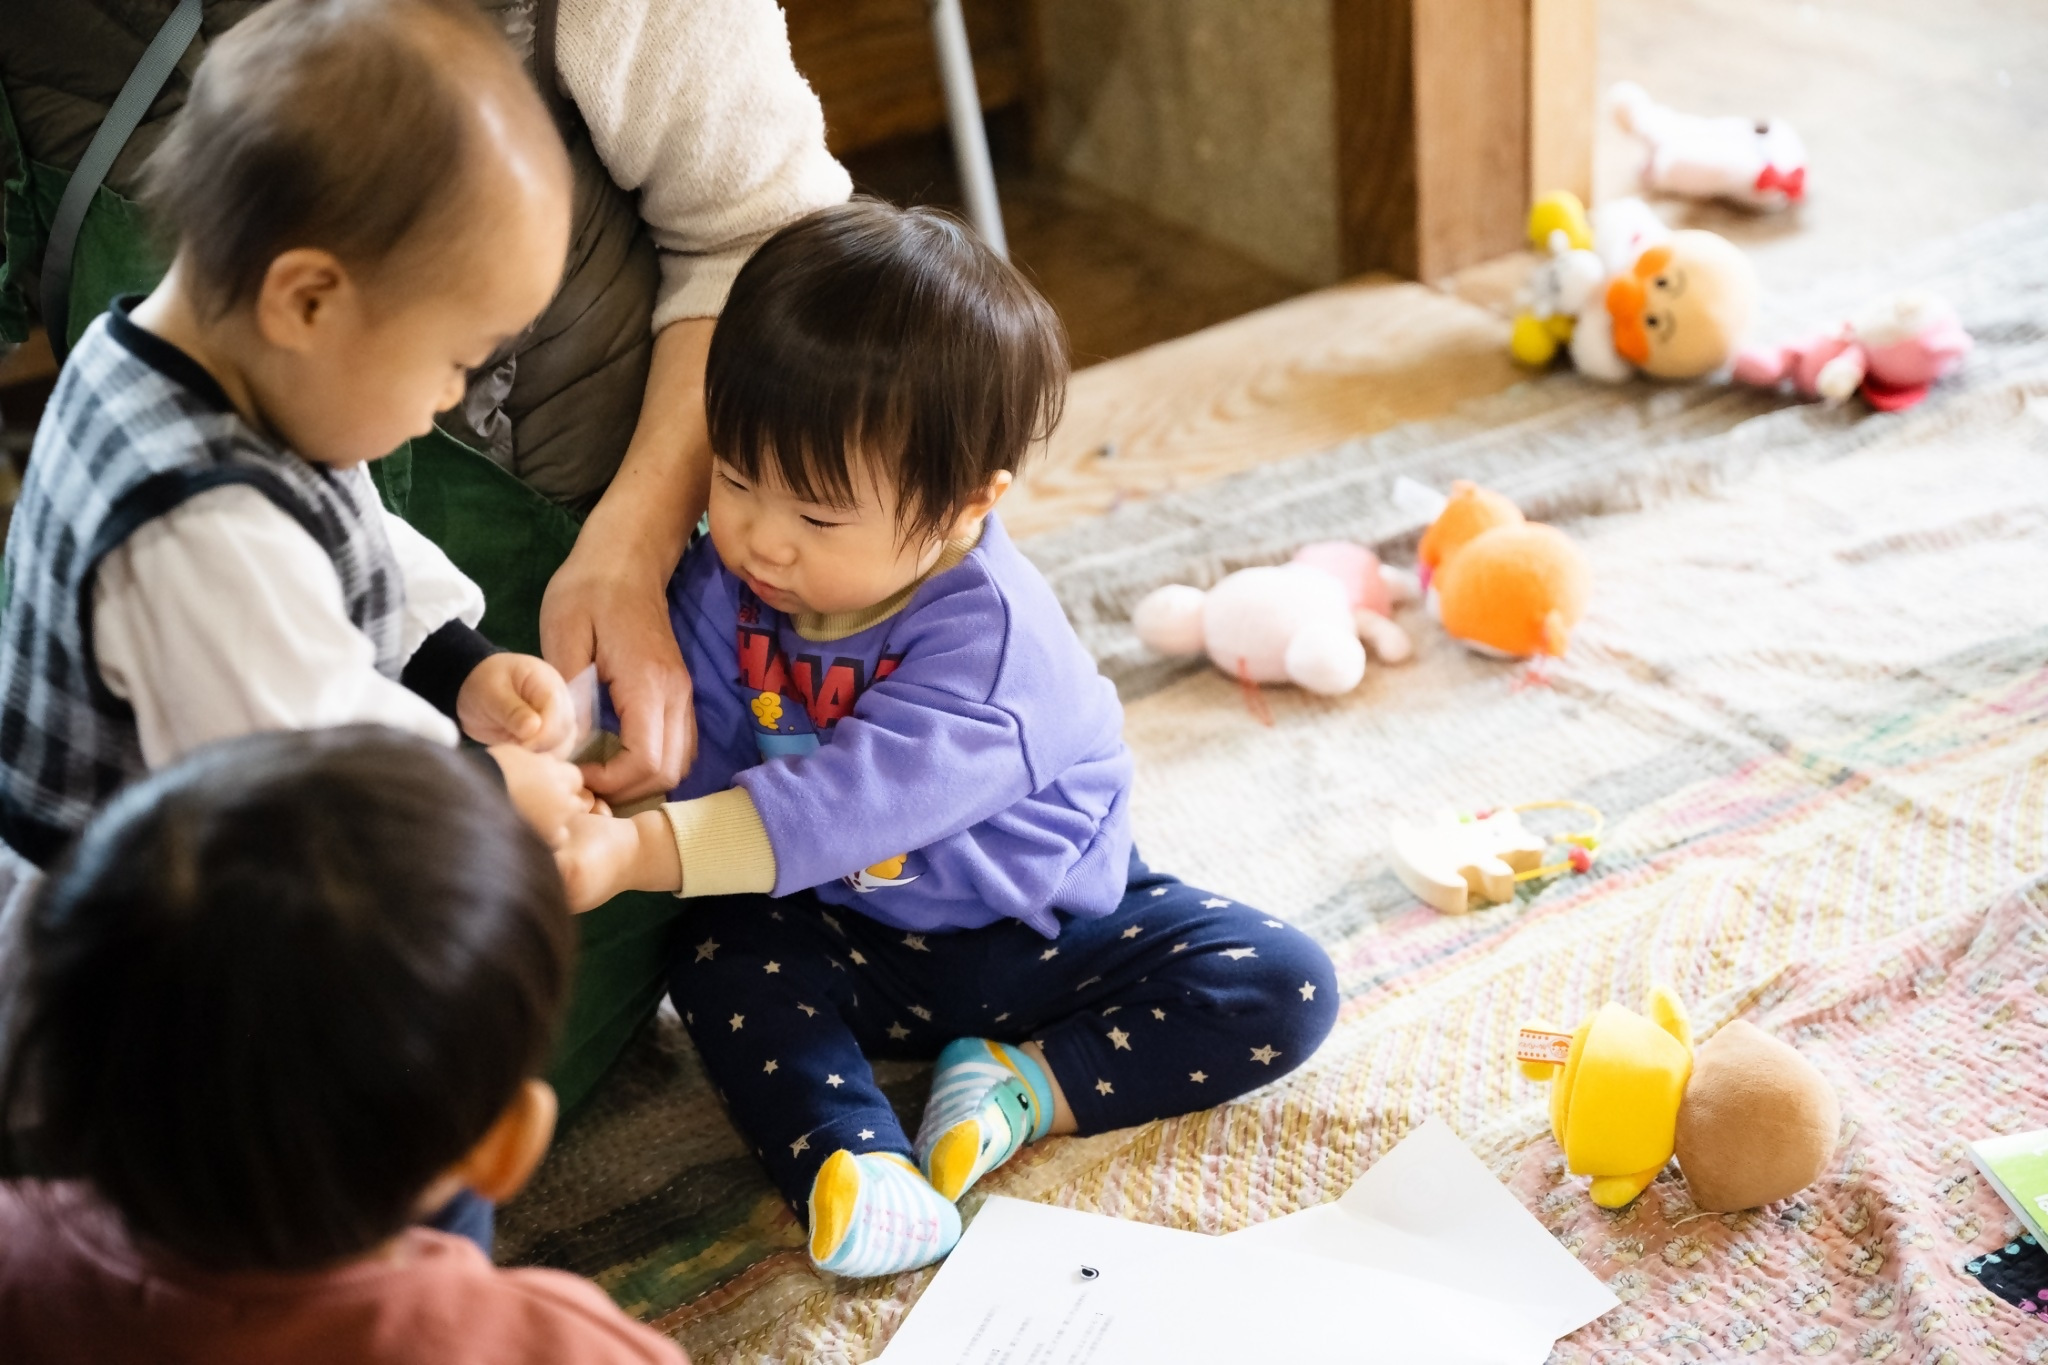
[(1750, 1120), (1570, 273)]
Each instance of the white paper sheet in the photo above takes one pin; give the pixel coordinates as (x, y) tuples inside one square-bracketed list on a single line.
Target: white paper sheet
[(1427, 1258), (1015, 1292), (1431, 1209)]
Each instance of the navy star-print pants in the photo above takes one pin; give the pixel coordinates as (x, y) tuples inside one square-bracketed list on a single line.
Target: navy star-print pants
[(1175, 1001)]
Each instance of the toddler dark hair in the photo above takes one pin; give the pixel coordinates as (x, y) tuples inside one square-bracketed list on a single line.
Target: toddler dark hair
[(875, 333), (339, 124), (277, 989)]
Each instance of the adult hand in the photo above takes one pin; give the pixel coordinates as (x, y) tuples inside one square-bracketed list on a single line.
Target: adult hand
[(608, 603), (594, 614)]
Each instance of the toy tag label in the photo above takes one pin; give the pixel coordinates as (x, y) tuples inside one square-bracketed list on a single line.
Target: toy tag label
[(1541, 1045)]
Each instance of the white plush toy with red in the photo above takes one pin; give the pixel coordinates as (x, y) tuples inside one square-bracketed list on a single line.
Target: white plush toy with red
[(1891, 352), (1305, 622), (1758, 163)]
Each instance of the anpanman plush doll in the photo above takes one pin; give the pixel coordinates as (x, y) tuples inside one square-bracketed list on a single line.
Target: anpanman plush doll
[(1623, 293)]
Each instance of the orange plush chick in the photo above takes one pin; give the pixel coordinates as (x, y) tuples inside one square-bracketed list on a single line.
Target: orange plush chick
[(1503, 584), (1469, 511)]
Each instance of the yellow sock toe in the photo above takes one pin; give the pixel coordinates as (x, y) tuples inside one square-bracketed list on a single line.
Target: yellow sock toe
[(834, 1194), (953, 1158)]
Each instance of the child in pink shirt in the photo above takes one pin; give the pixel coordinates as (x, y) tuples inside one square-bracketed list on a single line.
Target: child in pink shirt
[(282, 1000)]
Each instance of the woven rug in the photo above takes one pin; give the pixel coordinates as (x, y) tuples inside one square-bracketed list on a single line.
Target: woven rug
[(1811, 696)]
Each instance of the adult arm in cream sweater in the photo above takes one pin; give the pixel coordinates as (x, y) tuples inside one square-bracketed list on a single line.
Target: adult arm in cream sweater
[(697, 106)]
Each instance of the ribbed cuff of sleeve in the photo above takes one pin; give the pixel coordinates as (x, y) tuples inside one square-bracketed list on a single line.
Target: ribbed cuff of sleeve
[(723, 845), (696, 286), (442, 664)]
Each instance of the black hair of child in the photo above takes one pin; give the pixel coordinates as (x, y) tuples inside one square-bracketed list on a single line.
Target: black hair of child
[(338, 124), (867, 332), (278, 988)]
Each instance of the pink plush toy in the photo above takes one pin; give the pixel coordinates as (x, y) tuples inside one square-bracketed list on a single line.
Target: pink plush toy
[(1890, 352), (1301, 622)]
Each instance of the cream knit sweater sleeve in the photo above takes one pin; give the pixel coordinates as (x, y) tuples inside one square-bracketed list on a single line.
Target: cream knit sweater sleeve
[(698, 107)]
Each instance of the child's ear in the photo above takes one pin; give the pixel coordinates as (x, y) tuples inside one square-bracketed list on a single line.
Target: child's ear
[(982, 503), (499, 1166), (301, 288)]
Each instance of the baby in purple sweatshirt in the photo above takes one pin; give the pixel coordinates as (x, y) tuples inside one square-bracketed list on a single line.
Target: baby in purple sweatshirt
[(907, 831)]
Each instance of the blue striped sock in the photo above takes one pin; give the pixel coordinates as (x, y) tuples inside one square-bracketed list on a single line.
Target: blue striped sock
[(873, 1214), (988, 1099)]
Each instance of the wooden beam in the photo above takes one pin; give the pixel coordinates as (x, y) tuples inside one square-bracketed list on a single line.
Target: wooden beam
[(1450, 115), (1371, 43), (1471, 130), (1564, 97)]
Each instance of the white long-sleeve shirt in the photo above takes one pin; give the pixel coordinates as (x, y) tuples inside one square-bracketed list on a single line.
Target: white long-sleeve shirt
[(224, 616), (697, 106)]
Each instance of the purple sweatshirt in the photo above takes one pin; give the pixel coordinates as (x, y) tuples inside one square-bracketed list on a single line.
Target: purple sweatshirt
[(959, 763)]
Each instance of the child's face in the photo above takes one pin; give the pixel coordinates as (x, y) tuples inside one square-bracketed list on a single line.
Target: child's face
[(356, 368), (801, 556)]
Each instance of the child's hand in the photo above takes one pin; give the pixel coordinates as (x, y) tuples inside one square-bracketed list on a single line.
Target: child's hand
[(548, 791), (517, 699), (604, 855)]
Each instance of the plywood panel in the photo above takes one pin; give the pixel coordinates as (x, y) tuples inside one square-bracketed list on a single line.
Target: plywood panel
[(1213, 114)]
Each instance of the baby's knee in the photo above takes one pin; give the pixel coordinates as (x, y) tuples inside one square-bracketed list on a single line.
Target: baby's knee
[(1299, 981)]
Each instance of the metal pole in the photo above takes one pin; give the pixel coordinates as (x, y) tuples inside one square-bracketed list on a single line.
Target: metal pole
[(970, 137)]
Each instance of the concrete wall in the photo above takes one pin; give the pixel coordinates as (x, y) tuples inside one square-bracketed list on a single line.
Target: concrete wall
[(1216, 114)]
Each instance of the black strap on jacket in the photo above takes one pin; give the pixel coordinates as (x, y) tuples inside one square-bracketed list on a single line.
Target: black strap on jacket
[(124, 116)]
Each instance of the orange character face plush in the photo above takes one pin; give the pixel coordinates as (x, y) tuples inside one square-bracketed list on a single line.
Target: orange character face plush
[(1680, 311)]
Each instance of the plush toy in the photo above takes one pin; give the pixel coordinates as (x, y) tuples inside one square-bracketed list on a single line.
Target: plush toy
[(1891, 352), (1503, 585), (1673, 305), (1758, 163), (1750, 1120), (1561, 285), (1301, 622)]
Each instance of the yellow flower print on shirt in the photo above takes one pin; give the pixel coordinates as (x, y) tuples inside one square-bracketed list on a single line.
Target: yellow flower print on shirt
[(767, 709), (888, 872)]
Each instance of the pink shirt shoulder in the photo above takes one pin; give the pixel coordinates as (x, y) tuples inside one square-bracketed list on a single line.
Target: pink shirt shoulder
[(73, 1289)]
